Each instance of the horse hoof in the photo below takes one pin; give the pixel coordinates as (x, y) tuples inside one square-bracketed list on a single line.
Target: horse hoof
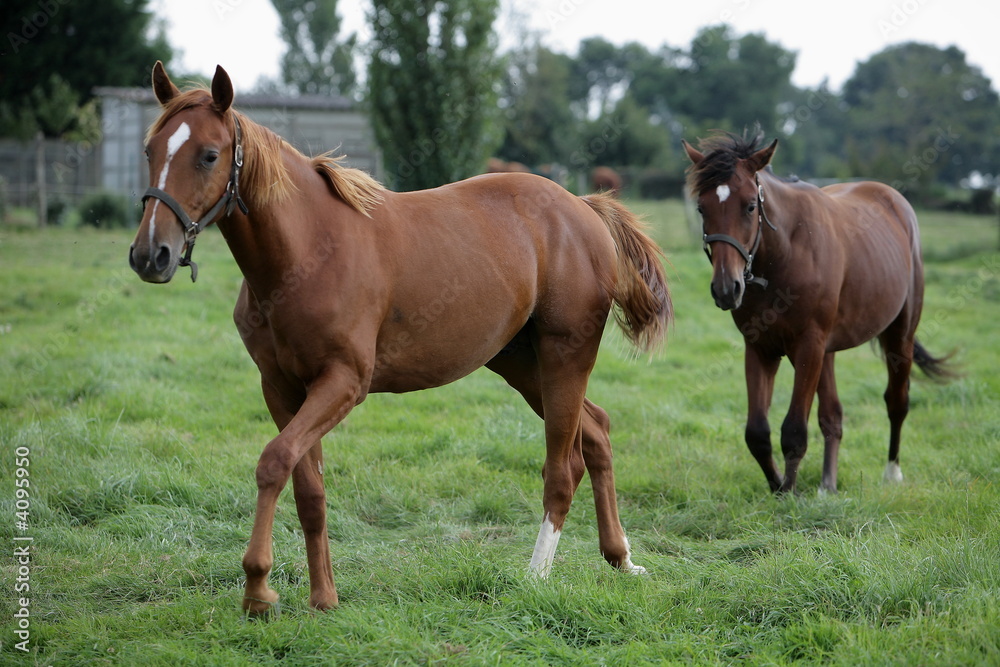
[(631, 568), (262, 608), (324, 603), (893, 473)]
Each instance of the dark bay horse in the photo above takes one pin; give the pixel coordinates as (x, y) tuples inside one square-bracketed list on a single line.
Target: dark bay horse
[(807, 272), (351, 289)]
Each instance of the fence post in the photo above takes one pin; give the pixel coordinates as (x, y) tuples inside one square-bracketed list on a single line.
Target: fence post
[(40, 178)]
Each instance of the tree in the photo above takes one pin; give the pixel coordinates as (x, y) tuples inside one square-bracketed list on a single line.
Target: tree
[(921, 114), (316, 62), (732, 82), (89, 44), (539, 126), (432, 88)]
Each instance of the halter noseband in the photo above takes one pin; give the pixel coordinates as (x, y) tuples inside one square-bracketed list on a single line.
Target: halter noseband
[(229, 200), (748, 257)]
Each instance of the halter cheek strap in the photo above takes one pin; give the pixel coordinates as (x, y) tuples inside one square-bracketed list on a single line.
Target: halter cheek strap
[(228, 201), (748, 256)]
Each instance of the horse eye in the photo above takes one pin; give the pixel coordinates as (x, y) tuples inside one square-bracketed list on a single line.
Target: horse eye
[(211, 157), (751, 208), (700, 210)]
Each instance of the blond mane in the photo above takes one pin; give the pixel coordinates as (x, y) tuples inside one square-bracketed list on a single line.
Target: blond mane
[(264, 179)]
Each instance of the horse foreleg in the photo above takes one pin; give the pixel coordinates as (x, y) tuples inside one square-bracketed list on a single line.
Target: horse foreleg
[(760, 372), (831, 419), (808, 362), (327, 402)]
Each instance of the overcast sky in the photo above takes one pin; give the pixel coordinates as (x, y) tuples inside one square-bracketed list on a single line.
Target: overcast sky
[(829, 37)]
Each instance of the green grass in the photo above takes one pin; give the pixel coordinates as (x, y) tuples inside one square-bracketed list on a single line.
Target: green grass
[(144, 421)]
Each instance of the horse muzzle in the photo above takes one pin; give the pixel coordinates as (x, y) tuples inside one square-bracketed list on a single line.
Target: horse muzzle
[(727, 291), (154, 263)]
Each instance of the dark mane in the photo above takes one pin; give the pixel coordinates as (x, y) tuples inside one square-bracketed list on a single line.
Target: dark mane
[(722, 151)]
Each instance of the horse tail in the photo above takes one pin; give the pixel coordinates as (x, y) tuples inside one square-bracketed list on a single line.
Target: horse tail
[(644, 308), (936, 368)]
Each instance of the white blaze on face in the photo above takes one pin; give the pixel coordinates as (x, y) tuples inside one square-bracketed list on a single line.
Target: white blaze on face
[(174, 143), (723, 192), (545, 549)]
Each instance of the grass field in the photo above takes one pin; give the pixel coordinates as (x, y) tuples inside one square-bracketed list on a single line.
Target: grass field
[(138, 416)]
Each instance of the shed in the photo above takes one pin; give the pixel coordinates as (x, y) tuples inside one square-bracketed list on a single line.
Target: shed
[(311, 123)]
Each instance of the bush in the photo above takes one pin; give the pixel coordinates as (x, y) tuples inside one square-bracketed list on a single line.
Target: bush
[(56, 211), (106, 210)]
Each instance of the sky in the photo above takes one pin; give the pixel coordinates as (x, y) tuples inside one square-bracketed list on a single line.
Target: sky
[(830, 38)]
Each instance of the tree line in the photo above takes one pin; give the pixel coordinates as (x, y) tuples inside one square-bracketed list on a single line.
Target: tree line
[(442, 98)]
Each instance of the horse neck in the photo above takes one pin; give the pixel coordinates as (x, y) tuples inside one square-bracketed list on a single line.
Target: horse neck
[(274, 241), (779, 205)]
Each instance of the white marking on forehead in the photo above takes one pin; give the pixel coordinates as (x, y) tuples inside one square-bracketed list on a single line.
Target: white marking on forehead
[(723, 192), (174, 143), (180, 135)]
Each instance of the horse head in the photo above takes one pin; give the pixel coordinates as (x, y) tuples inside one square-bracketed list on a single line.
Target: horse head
[(730, 202), (193, 157)]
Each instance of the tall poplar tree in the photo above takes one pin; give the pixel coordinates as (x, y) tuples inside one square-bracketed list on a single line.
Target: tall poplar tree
[(317, 61), (433, 85)]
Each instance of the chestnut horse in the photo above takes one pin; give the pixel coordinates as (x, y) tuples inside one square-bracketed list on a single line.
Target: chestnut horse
[(351, 289), (807, 272)]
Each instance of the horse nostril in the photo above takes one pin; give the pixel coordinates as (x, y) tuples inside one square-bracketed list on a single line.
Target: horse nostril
[(737, 289), (162, 260), (131, 258)]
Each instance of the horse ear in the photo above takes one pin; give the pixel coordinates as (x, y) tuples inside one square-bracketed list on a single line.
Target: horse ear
[(163, 87), (761, 158), (222, 90), (694, 155)]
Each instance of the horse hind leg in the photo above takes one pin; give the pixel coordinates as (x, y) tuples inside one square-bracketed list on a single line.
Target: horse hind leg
[(518, 364), (831, 419), (591, 450), (598, 456), (899, 361)]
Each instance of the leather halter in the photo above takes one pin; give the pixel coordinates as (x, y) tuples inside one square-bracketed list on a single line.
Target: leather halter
[(748, 256), (229, 200)]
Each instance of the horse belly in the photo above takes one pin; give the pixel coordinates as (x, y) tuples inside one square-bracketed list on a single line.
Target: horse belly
[(868, 307), (438, 341)]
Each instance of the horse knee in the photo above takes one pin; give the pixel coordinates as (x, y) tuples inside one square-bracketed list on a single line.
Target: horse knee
[(273, 468), (758, 437), (793, 438)]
